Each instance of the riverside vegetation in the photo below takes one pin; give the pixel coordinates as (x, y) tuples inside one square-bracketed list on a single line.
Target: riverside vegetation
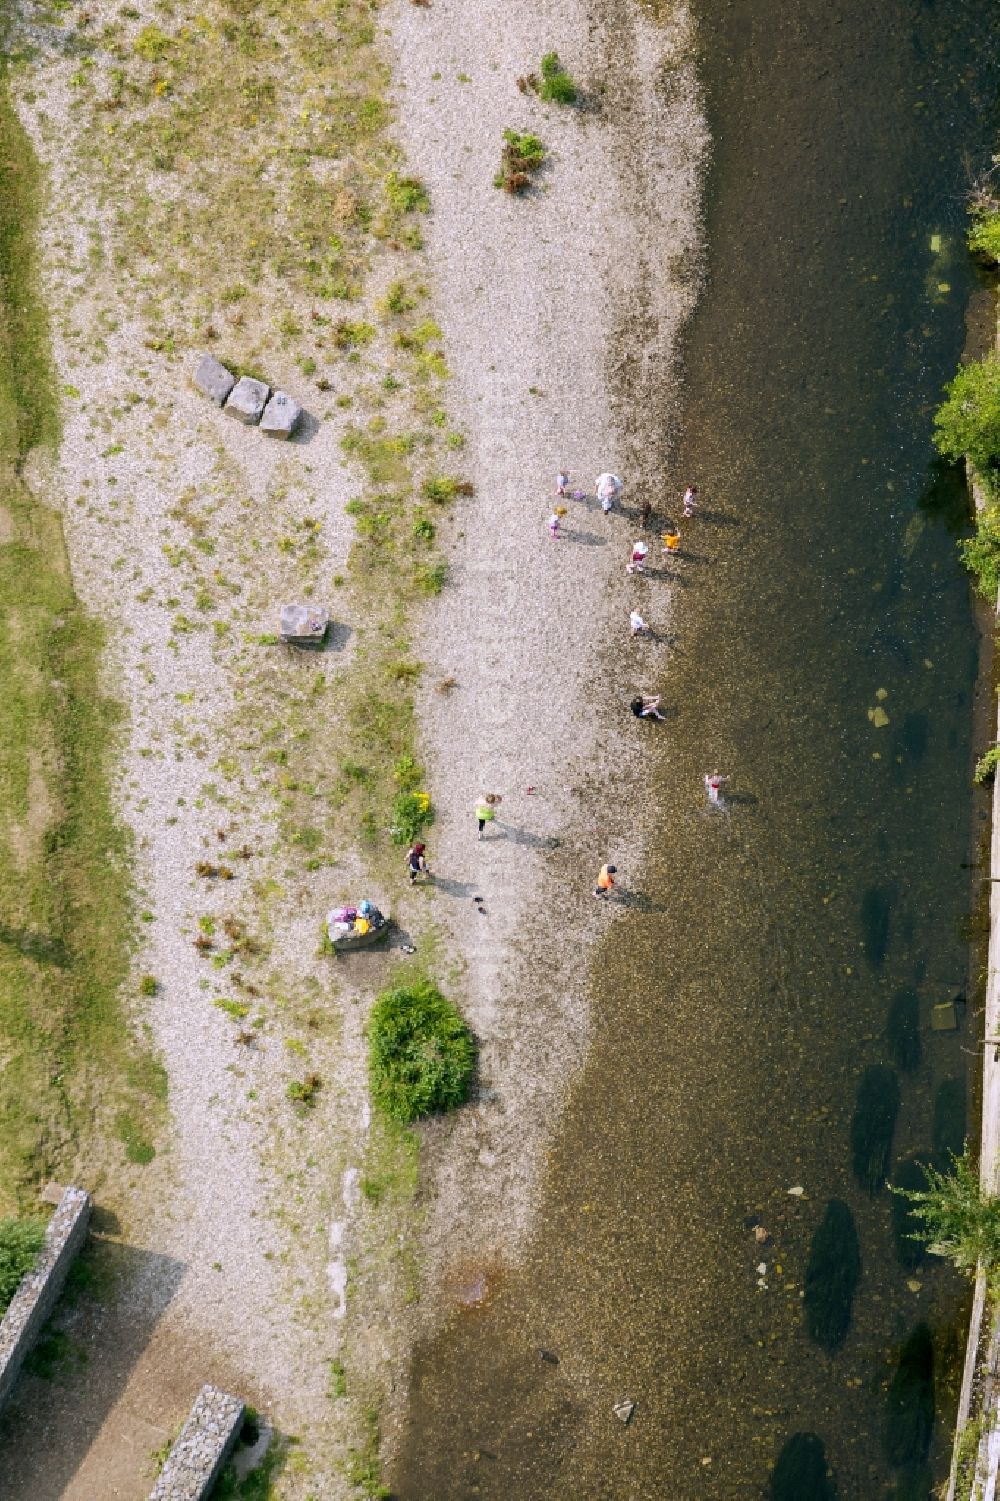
[(74, 1071)]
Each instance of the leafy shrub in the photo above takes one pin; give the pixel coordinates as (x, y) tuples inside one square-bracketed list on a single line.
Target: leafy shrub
[(967, 423), (986, 766), (152, 44), (556, 86), (20, 1243), (956, 1218), (981, 553), (430, 578), (411, 812), (421, 1054), (353, 335), (522, 155), (440, 488), (984, 236), (148, 985)]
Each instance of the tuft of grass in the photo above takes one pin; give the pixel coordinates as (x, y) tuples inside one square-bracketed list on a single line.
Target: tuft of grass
[(407, 194), (556, 85), (421, 1054), (148, 985), (411, 814), (304, 1091)]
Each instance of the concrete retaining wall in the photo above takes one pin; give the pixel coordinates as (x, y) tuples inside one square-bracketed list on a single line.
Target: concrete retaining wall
[(37, 1294), (206, 1440)]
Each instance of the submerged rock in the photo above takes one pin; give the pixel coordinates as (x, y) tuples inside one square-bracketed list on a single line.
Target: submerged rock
[(623, 1411), (800, 1473), (832, 1276), (876, 911), (872, 1126), (910, 1401), (948, 1129), (903, 1030)]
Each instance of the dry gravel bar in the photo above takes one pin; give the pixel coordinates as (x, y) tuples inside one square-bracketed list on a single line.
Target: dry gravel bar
[(36, 1297), (196, 1459)]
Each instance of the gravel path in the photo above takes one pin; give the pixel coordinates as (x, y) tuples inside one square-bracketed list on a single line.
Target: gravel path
[(561, 312)]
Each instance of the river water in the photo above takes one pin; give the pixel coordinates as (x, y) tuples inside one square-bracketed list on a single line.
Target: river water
[(826, 656)]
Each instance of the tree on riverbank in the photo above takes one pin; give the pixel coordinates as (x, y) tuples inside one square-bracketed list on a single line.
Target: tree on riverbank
[(956, 1218)]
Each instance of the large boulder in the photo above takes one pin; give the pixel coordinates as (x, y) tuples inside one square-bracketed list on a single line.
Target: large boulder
[(247, 400), (280, 416), (213, 379)]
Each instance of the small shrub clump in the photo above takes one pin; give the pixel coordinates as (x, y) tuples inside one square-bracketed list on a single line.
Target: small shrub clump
[(967, 423), (556, 85), (522, 156), (984, 236), (411, 812), (986, 766), (20, 1243), (421, 1054)]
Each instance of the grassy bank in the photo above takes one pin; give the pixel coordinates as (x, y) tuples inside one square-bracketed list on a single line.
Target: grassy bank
[(69, 1064)]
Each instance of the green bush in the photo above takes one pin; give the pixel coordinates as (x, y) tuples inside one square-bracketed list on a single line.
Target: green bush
[(981, 553), (522, 154), (407, 194), (411, 812), (984, 236), (956, 1218), (967, 423), (20, 1243), (556, 86), (986, 766), (421, 1054)]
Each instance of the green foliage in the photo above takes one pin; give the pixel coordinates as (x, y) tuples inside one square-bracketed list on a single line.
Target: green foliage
[(956, 1219), (556, 86), (148, 985), (132, 1136), (411, 813), (152, 44), (908, 1177), (20, 1243), (981, 553), (986, 766), (407, 194), (304, 1091), (522, 155), (421, 1054), (984, 236), (967, 424), (337, 1385), (832, 1274)]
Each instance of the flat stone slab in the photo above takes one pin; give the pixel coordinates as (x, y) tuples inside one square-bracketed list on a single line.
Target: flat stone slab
[(281, 416), (304, 623), (213, 379), (944, 1017), (247, 400), (202, 1448)]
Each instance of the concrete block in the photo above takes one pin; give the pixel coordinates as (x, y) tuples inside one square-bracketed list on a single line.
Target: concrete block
[(247, 400), (213, 379), (204, 1444), (280, 416)]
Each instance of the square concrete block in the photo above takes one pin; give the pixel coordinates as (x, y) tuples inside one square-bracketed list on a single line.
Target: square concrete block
[(944, 1017), (280, 416), (213, 379), (248, 400)]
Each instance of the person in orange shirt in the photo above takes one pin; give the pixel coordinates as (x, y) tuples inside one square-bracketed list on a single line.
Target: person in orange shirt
[(671, 539), (605, 880)]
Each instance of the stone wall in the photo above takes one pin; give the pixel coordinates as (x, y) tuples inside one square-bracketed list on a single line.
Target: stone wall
[(196, 1459), (37, 1294)]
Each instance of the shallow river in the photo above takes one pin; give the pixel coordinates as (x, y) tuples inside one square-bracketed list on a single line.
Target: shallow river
[(825, 658)]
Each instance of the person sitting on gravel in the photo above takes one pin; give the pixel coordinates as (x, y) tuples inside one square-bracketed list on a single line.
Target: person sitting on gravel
[(647, 707)]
